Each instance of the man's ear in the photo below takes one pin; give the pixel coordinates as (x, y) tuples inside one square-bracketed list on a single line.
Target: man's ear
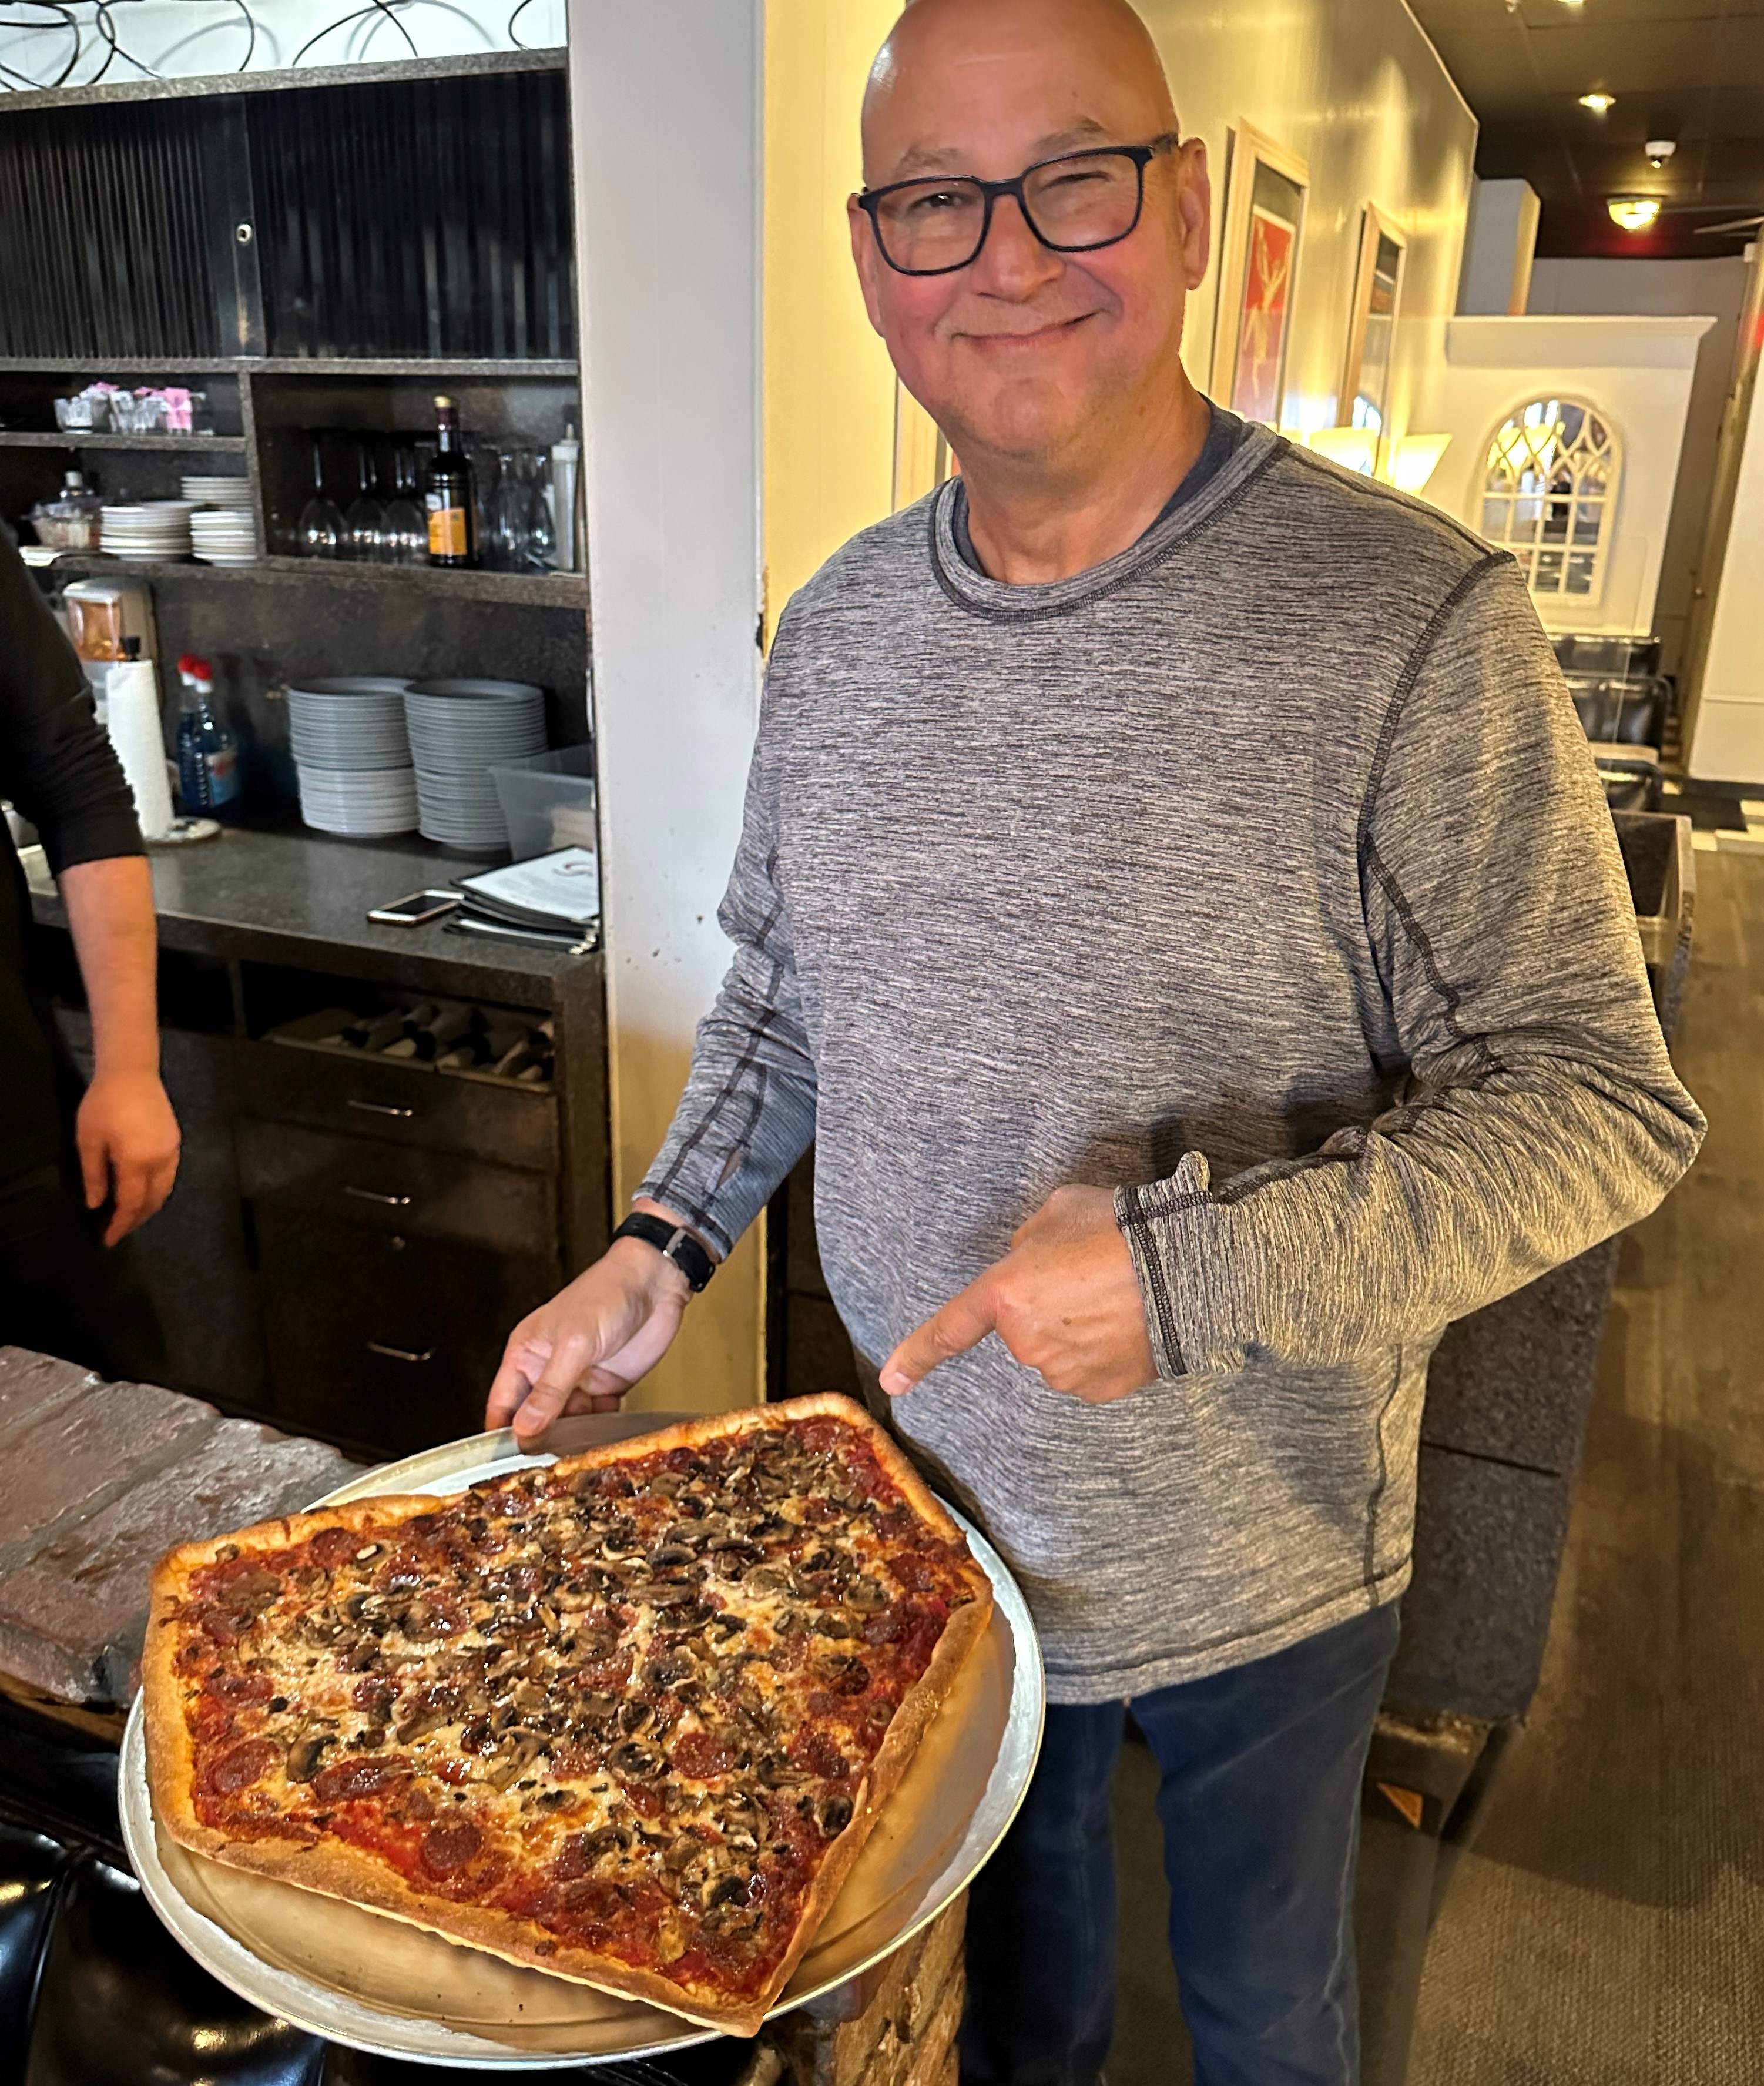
[(1194, 207), (867, 261)]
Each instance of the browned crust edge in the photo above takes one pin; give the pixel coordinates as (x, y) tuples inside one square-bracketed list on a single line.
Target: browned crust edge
[(340, 1871)]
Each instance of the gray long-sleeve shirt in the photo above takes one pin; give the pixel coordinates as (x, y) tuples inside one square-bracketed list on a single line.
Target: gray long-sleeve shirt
[(1260, 874)]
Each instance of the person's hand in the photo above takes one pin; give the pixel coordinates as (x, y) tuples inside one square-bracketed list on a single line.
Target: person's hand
[(1064, 1300), (583, 1351), (128, 1141)]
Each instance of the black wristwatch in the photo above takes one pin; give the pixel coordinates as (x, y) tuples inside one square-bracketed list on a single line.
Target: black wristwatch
[(673, 1241)]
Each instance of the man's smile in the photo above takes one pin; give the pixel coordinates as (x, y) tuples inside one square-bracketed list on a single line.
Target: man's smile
[(1010, 340)]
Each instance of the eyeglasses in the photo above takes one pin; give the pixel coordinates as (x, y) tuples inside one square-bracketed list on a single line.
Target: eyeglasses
[(1072, 204)]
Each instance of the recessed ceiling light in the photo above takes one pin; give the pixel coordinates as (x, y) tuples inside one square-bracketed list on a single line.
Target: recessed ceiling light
[(1598, 102), (1574, 4), (1633, 213)]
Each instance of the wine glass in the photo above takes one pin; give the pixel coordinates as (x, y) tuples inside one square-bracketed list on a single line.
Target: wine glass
[(541, 539), (321, 526), (510, 518), (407, 530), (366, 519)]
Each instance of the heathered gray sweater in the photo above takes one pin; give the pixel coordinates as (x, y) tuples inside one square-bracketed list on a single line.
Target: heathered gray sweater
[(1261, 874)]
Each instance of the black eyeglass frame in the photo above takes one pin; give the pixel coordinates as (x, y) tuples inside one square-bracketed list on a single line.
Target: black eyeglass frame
[(1141, 155)]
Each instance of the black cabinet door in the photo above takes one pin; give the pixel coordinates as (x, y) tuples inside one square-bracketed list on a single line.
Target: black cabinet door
[(193, 1255), (382, 1342)]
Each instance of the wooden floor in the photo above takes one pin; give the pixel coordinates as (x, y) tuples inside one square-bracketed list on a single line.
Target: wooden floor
[(1608, 1928)]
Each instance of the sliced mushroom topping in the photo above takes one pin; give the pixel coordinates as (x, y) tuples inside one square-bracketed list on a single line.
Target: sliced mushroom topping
[(682, 1852), (835, 1816), (304, 1758), (666, 1556), (635, 1714), (635, 1763)]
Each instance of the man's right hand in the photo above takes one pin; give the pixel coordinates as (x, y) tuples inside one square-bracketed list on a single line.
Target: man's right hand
[(583, 1351)]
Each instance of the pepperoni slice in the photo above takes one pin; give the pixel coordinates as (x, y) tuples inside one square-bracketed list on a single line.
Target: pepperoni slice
[(701, 1755), (237, 1688), (819, 1755), (242, 1764), (449, 1846), (332, 1547), (346, 1778)]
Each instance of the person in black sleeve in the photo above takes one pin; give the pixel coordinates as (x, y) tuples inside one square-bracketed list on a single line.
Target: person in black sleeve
[(77, 1171)]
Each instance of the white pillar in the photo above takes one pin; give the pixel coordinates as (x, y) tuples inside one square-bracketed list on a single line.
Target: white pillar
[(1500, 242), (665, 111)]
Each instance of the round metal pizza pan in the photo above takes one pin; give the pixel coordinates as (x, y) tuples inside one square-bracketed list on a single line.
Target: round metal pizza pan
[(378, 1985)]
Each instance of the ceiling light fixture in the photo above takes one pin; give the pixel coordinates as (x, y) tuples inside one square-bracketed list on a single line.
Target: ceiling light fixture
[(1659, 150), (1633, 213), (1598, 102)]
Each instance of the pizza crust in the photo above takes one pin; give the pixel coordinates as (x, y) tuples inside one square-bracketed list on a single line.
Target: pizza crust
[(336, 1870)]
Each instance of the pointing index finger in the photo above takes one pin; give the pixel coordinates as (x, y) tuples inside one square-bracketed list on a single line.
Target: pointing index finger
[(963, 1323)]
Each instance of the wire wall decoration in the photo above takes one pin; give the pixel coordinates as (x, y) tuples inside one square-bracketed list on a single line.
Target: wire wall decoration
[(50, 44)]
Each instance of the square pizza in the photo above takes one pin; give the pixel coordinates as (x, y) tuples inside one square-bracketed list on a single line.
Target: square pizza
[(627, 1718)]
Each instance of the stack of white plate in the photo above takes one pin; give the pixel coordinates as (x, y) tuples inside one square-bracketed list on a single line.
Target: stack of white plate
[(459, 731), (207, 490), (352, 754), (154, 529), (224, 536), (365, 807)]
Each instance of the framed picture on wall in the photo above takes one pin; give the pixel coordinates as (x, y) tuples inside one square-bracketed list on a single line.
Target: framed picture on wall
[(1265, 209), (1364, 401)]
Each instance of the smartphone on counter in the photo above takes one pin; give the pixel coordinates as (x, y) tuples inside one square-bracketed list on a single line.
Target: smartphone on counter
[(411, 912)]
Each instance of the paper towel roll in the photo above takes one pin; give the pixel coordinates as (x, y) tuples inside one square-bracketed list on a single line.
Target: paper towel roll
[(132, 717)]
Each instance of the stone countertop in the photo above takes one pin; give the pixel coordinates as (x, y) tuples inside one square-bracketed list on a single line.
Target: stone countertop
[(301, 898), (97, 1481)]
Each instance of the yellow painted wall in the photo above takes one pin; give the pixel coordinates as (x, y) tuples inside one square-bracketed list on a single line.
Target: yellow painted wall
[(829, 389)]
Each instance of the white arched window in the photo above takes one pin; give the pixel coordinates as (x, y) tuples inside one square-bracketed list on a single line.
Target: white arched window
[(1550, 495)]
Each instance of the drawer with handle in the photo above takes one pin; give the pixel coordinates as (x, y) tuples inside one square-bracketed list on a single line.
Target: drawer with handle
[(373, 1181), (385, 1341), (406, 1104)]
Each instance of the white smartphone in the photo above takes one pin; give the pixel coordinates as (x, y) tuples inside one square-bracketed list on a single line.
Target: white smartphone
[(413, 911)]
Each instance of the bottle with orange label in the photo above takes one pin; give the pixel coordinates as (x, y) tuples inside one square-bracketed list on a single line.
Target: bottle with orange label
[(453, 514)]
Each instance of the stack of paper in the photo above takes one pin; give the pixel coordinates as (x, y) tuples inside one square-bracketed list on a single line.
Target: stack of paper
[(551, 894)]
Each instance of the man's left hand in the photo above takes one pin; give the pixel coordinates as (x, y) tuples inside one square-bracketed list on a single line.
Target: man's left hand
[(128, 1139), (1064, 1300)]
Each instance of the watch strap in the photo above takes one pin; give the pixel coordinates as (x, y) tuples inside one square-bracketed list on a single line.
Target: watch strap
[(674, 1242)]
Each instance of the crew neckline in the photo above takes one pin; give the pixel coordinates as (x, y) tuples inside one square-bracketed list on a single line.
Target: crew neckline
[(1002, 602)]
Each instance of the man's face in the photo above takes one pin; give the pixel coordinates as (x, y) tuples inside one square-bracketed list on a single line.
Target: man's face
[(1026, 353)]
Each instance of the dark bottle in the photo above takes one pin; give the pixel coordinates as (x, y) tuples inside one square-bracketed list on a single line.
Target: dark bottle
[(452, 509)]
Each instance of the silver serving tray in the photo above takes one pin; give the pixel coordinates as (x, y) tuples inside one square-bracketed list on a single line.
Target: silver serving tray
[(379, 1984)]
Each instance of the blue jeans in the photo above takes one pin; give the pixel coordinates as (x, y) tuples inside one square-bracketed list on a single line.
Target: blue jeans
[(1259, 1798)]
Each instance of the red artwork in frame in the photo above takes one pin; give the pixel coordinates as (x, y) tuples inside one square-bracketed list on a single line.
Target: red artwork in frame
[(1261, 346)]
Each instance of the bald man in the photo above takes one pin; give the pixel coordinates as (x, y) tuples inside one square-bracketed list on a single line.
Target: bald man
[(1176, 898)]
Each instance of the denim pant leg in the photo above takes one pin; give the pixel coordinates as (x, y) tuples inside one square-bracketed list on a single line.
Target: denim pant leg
[(1041, 1918), (1261, 1802)]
